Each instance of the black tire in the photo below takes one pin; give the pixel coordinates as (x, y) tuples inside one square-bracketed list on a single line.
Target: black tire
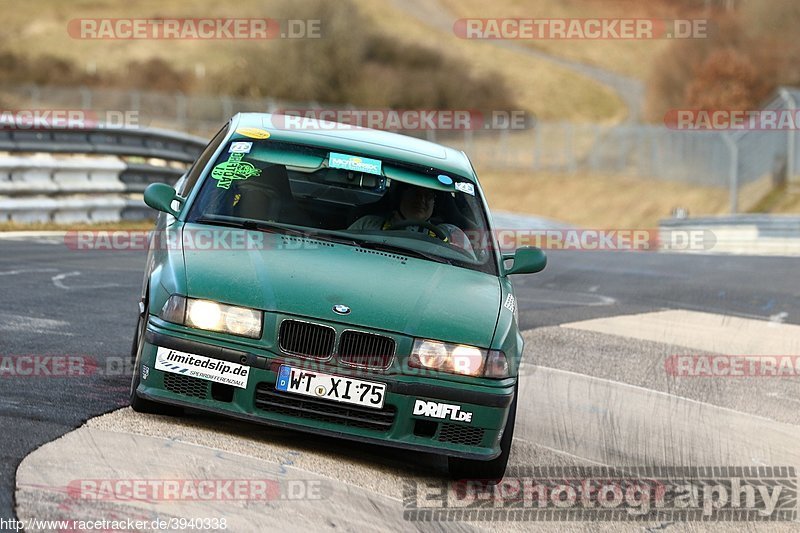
[(491, 471), (138, 404)]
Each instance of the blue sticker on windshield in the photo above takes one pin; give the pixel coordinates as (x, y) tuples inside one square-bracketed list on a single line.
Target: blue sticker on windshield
[(353, 162), (445, 180)]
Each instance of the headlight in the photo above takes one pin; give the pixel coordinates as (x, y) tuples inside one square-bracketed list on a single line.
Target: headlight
[(458, 359), (212, 316)]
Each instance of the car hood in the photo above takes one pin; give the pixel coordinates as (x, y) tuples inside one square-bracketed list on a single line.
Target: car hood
[(385, 291)]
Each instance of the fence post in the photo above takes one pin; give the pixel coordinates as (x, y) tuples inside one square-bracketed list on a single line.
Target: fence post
[(227, 108), (86, 98), (790, 135), (733, 172), (180, 109)]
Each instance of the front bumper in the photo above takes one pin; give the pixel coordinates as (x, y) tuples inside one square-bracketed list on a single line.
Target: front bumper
[(394, 425)]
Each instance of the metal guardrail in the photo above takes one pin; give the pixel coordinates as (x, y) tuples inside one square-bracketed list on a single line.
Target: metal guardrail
[(740, 234), (100, 184), (142, 142)]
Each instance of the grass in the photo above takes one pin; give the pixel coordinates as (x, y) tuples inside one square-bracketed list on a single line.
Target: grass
[(550, 91), (789, 202), (599, 201), (630, 57), (129, 225)]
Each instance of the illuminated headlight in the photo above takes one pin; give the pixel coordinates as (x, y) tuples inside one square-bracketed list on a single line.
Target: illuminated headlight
[(212, 316), (458, 359)]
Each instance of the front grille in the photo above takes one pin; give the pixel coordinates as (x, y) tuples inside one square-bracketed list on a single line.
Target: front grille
[(186, 385), (457, 434), (306, 339), (366, 349), (270, 400)]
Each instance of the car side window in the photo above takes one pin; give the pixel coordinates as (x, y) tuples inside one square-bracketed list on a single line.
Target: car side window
[(202, 161)]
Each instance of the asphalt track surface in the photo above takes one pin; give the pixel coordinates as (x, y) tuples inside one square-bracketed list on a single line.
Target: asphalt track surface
[(598, 327)]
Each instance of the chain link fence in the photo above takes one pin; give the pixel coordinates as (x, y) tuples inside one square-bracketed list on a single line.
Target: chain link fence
[(738, 160)]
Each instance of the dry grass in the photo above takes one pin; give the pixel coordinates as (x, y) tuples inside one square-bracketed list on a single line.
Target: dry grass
[(131, 225), (549, 91), (599, 201), (789, 203), (538, 86), (631, 57)]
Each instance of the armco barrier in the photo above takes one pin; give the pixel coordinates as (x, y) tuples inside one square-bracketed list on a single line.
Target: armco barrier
[(88, 174), (744, 234)]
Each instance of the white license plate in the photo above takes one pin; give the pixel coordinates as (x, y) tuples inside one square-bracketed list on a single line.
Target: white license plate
[(329, 387)]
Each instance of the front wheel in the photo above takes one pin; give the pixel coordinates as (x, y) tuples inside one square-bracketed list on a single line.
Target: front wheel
[(141, 405), (495, 469)]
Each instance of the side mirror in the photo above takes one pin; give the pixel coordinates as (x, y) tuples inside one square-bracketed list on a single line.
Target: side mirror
[(527, 260), (160, 196)]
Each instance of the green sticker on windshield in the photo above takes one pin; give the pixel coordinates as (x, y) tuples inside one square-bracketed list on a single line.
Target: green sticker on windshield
[(233, 169), (353, 162)]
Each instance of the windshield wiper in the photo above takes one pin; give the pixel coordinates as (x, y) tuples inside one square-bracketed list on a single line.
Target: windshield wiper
[(228, 222), (385, 247), (273, 227), (247, 223)]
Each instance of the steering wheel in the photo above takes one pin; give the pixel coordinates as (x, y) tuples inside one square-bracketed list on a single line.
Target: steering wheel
[(439, 232)]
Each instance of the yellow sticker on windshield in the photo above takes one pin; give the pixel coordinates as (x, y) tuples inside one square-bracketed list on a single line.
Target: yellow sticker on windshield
[(253, 133)]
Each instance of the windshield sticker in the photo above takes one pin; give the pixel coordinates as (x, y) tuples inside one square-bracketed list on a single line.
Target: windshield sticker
[(466, 187), (240, 147), (352, 162), (233, 169), (253, 133)]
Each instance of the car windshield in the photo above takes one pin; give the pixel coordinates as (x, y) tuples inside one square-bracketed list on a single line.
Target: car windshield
[(349, 198)]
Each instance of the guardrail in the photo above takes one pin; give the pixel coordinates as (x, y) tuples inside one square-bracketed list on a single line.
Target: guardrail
[(742, 234), (103, 182)]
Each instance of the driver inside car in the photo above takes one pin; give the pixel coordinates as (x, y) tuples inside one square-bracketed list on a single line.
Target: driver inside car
[(416, 204)]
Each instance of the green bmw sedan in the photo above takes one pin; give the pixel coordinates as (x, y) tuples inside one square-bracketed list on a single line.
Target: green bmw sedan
[(336, 280)]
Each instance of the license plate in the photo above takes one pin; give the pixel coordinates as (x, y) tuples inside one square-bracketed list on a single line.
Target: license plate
[(329, 387)]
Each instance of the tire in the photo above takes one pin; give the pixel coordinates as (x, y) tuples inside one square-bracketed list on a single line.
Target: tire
[(141, 405), (494, 470)]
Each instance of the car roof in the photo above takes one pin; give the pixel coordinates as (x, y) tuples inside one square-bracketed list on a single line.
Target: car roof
[(364, 141)]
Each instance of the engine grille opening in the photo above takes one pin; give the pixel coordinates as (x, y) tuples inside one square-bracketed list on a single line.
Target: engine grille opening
[(366, 349), (457, 434), (306, 339), (222, 392), (186, 385), (270, 400), (425, 428)]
